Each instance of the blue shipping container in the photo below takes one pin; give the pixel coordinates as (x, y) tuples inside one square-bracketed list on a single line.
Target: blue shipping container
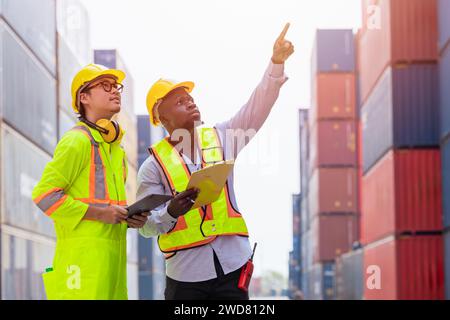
[(333, 51), (445, 154), (444, 23), (444, 82), (144, 134), (401, 112)]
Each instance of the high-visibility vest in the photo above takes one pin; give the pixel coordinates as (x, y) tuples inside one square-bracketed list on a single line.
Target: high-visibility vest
[(202, 225), (90, 259)]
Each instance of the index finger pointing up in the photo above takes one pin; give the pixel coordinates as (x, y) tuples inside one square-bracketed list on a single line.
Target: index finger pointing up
[(283, 33)]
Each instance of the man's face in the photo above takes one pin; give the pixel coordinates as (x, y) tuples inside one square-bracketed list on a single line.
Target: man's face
[(99, 100), (178, 110)]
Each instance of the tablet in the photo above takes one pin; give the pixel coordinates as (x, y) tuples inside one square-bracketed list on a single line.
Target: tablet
[(147, 204)]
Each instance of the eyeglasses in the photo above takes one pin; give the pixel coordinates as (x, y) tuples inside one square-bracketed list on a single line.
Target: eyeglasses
[(107, 86)]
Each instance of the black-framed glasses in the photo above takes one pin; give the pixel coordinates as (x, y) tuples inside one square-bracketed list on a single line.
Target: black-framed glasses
[(107, 86)]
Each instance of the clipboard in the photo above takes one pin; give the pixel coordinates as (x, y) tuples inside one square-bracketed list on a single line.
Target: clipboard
[(210, 181), (147, 204)]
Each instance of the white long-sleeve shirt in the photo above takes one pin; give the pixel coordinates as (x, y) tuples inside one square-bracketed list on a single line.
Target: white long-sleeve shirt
[(197, 264)]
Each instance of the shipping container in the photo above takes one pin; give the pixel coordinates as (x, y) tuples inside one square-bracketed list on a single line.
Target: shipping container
[(144, 140), (131, 185), (404, 268), (402, 112), (445, 150), (333, 190), (402, 193), (307, 252), (304, 224), (322, 281), (295, 275), (66, 122), (444, 101), (68, 67), (304, 148), (129, 141), (151, 270), (74, 27), (447, 263), (333, 143), (21, 169), (395, 32), (349, 276), (444, 23), (296, 213), (23, 262), (333, 96), (22, 73), (333, 51), (132, 245), (34, 21), (333, 235)]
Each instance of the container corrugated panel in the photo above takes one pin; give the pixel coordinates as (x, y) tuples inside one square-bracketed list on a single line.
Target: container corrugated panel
[(74, 27), (444, 23), (297, 246), (306, 253), (390, 36), (404, 269), (349, 276), (322, 281), (333, 51), (21, 72), (68, 66), (447, 263), (334, 96), (333, 143), (333, 235), (445, 150), (21, 169), (35, 22), (402, 193), (23, 262), (333, 190), (444, 83), (402, 112)]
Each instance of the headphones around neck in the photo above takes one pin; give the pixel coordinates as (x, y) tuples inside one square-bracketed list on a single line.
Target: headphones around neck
[(109, 129)]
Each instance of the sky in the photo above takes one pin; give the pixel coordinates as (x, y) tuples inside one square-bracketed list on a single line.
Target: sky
[(225, 47)]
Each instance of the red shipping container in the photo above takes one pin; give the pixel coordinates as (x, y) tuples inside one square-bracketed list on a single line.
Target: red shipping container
[(404, 268), (395, 32), (334, 96), (333, 143), (402, 193), (333, 235), (333, 190)]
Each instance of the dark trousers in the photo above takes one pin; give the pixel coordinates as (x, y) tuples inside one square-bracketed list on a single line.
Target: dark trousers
[(224, 287)]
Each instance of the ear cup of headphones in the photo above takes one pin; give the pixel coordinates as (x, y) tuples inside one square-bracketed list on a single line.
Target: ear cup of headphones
[(113, 128)]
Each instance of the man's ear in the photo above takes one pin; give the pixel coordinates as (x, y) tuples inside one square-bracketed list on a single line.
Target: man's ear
[(84, 97)]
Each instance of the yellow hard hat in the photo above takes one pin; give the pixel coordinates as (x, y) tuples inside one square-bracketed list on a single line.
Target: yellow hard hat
[(159, 90), (87, 75)]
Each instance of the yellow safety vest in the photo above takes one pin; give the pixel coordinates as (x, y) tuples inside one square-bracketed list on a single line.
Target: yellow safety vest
[(90, 259), (202, 225)]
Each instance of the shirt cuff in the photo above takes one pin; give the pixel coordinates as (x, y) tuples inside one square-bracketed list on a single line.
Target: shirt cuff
[(276, 70), (166, 217)]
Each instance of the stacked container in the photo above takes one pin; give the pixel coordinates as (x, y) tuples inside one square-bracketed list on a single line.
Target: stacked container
[(152, 274), (333, 196), (295, 270), (401, 207), (444, 77)]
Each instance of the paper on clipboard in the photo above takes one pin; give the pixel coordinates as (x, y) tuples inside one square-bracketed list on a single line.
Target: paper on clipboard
[(210, 181)]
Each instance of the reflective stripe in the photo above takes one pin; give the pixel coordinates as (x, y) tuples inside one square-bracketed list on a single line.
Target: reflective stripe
[(97, 178), (50, 201)]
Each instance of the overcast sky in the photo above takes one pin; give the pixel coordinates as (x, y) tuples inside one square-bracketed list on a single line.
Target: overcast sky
[(224, 47)]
